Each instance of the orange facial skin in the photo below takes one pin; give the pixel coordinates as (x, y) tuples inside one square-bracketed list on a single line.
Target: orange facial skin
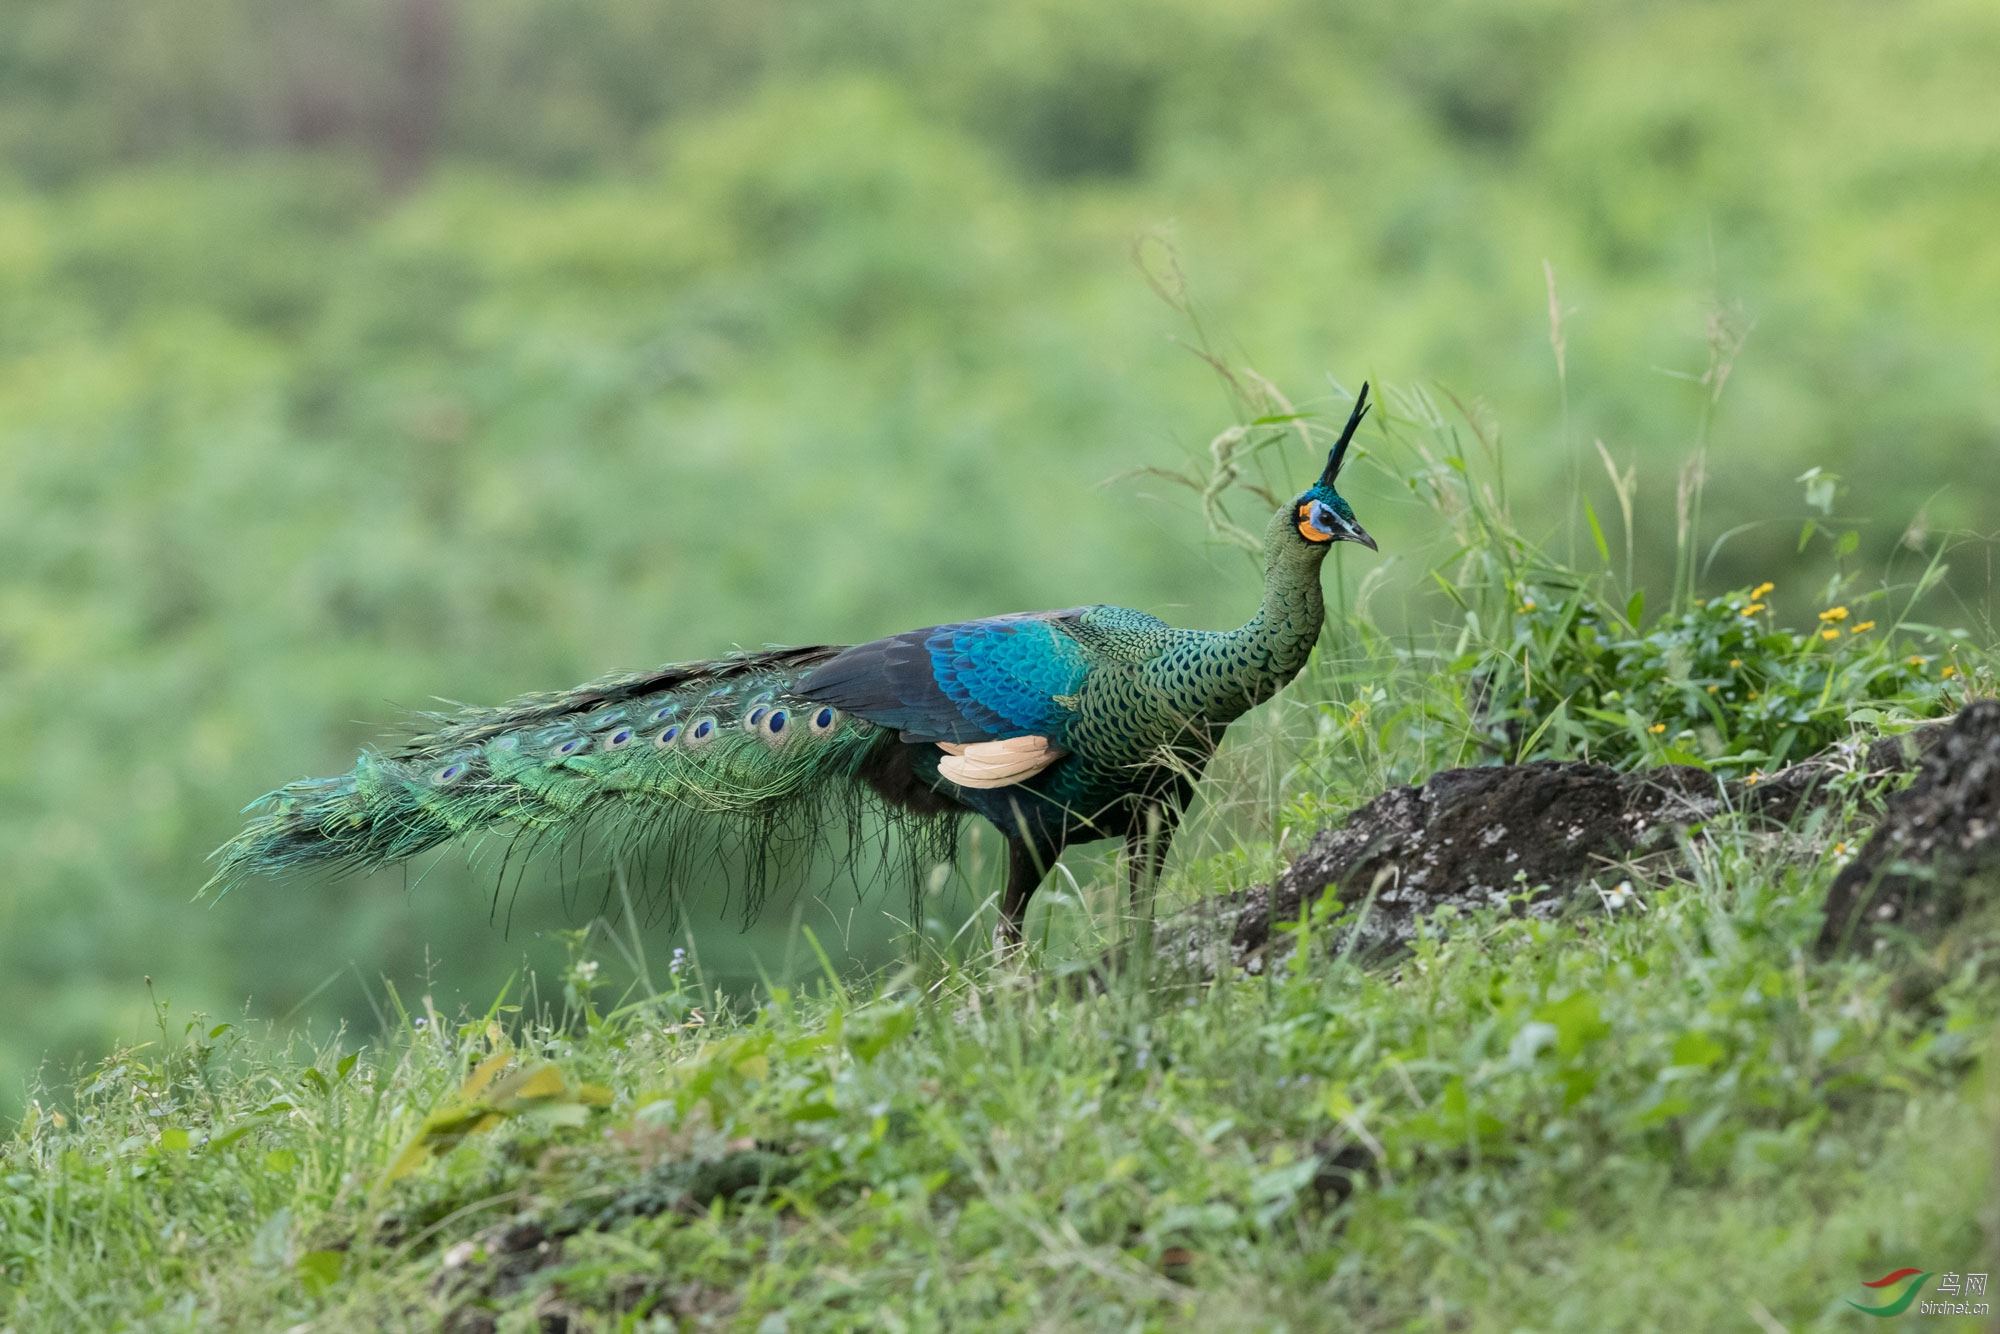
[(1307, 529)]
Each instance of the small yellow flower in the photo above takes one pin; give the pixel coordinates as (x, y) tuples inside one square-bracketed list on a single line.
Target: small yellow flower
[(1949, 671), (1862, 628), (1829, 634), (1753, 694), (1834, 614), (1914, 660), (1657, 728), (1760, 590), (1735, 663), (1529, 605), (1753, 609), (1713, 689), (1756, 777)]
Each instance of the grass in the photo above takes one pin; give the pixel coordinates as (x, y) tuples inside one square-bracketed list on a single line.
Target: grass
[(1589, 1123), (1671, 1111)]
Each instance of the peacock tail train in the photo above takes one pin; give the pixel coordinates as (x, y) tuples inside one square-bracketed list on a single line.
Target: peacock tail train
[(659, 772)]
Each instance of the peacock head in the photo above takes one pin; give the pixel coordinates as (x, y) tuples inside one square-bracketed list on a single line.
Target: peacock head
[(1320, 516)]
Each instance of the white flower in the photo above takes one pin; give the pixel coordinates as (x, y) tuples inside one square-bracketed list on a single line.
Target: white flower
[(1621, 895)]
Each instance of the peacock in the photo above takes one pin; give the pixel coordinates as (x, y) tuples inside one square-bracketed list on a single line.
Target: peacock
[(1057, 727)]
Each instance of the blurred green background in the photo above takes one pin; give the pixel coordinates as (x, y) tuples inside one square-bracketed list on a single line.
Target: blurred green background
[(358, 352)]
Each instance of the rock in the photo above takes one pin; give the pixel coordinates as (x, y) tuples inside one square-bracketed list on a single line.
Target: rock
[(1526, 836), (1937, 849)]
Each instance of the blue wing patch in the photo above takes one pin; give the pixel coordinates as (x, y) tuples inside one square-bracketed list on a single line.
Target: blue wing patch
[(986, 680), (1006, 676)]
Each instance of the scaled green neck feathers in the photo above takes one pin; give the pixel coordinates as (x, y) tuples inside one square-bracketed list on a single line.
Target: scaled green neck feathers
[(1274, 644)]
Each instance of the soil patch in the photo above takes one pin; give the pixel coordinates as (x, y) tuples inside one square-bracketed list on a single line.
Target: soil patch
[(1937, 851), (1527, 837)]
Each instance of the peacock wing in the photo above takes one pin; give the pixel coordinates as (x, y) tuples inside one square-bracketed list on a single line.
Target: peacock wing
[(966, 683)]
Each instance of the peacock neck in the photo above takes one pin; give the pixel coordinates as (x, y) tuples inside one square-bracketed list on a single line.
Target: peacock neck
[(1268, 650)]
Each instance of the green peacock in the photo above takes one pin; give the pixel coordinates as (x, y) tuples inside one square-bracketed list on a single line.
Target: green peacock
[(1058, 727)]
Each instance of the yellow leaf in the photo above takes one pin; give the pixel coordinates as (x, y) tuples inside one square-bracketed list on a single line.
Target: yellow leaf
[(482, 1075), (535, 1081), (538, 1090)]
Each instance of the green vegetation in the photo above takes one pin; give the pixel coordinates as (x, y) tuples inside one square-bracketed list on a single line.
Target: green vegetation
[(331, 383), (1714, 684)]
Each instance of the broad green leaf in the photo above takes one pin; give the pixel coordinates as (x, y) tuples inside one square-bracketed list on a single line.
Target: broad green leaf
[(1697, 1049), (1577, 1020), (320, 1270)]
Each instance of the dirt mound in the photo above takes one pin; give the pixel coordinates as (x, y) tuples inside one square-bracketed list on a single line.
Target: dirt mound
[(1938, 846), (1527, 836)]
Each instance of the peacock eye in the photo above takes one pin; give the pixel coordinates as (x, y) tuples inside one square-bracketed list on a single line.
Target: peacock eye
[(1316, 521)]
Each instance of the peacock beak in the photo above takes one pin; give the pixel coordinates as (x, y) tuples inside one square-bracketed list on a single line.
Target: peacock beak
[(1354, 532)]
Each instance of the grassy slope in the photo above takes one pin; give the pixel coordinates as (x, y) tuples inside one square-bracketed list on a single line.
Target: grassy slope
[(1672, 1115)]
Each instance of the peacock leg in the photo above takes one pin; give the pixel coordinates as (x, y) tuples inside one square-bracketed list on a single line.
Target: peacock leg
[(1025, 868)]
